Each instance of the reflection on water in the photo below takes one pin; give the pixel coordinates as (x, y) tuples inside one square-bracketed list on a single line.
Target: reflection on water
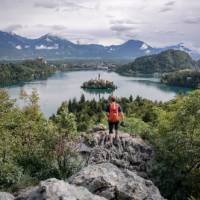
[(99, 91), (157, 84), (63, 86)]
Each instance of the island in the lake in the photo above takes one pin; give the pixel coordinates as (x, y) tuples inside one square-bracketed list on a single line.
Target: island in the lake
[(99, 84)]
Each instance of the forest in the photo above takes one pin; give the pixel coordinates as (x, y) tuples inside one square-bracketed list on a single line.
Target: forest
[(34, 148), (167, 61), (183, 78), (20, 72)]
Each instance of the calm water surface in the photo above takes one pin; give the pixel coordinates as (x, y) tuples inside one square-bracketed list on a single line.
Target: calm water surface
[(66, 85)]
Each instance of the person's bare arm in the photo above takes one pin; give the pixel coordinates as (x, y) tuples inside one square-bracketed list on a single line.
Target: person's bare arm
[(107, 111), (121, 113), (121, 116)]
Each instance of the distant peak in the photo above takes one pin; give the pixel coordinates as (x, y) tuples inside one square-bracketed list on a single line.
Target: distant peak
[(12, 33), (181, 44), (137, 43), (133, 41), (53, 37), (49, 35)]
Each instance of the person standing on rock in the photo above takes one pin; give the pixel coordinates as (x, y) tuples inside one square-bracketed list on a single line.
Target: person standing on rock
[(114, 115)]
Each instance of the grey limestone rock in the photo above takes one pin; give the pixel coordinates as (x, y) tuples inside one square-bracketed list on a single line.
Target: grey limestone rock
[(6, 196), (128, 152), (113, 183), (53, 189)]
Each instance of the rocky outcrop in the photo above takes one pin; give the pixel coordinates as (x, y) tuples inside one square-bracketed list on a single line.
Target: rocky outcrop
[(117, 171), (54, 189), (109, 181), (6, 196), (129, 152)]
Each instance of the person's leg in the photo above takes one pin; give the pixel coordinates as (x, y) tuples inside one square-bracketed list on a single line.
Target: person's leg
[(110, 125), (110, 132), (116, 130)]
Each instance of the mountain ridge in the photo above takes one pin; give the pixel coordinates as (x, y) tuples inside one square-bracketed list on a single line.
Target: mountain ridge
[(49, 46)]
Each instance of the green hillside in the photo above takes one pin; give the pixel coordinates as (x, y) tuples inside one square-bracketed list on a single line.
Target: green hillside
[(167, 61), (11, 73), (183, 78)]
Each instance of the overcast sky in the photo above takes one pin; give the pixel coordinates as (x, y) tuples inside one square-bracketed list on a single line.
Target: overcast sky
[(157, 22)]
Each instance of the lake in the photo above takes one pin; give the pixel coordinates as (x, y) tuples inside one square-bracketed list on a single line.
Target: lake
[(63, 86)]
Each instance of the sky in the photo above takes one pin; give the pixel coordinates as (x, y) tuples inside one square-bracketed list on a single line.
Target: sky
[(157, 22)]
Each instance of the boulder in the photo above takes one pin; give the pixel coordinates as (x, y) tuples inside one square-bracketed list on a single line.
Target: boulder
[(6, 196), (53, 189), (109, 181), (129, 152)]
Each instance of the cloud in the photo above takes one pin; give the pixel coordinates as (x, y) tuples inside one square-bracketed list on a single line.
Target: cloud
[(58, 27), (110, 16), (104, 21), (192, 20), (36, 30), (121, 28), (169, 6), (76, 5), (125, 32), (124, 21), (125, 29), (166, 9), (41, 29), (13, 28), (123, 25), (60, 4), (43, 4), (166, 32), (170, 3), (51, 28)]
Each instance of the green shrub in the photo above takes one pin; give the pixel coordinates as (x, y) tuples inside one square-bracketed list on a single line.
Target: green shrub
[(69, 163), (10, 174), (177, 142), (28, 142), (136, 126)]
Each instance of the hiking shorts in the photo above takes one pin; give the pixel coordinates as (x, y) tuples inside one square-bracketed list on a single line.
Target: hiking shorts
[(113, 125)]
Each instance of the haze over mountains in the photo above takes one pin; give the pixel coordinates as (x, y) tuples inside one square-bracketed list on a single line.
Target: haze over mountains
[(13, 46)]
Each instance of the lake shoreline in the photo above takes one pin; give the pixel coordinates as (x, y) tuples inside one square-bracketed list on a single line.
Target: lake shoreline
[(65, 86)]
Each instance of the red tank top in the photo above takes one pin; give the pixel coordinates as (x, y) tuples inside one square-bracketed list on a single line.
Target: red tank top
[(113, 112)]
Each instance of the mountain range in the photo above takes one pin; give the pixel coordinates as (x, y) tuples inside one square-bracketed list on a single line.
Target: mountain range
[(13, 46)]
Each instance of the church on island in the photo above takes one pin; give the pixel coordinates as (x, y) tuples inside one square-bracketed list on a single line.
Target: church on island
[(99, 83)]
